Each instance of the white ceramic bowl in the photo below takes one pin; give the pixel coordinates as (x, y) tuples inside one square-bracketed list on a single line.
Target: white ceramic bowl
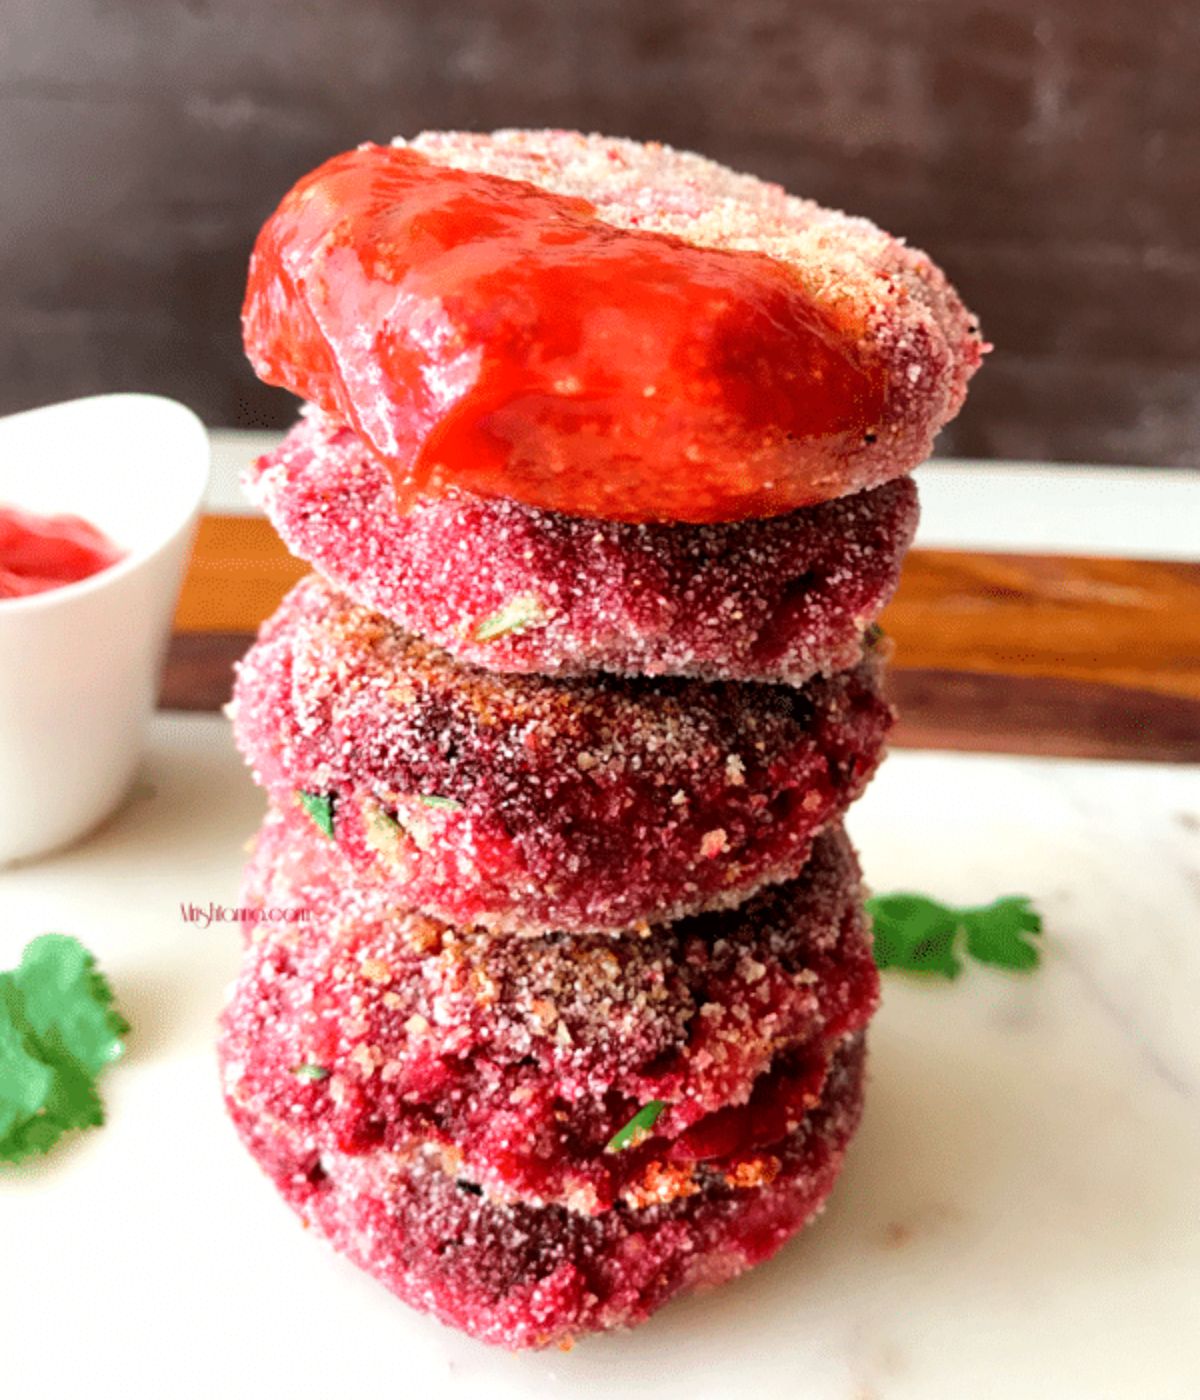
[(79, 665)]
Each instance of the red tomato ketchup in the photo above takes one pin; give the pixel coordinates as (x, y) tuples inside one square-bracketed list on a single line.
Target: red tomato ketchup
[(485, 333), (41, 552)]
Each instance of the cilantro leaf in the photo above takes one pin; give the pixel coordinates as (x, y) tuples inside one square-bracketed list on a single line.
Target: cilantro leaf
[(522, 611), (58, 1030), (319, 806), (25, 1082), (310, 1072), (637, 1129), (438, 803), (919, 934), (998, 933), (915, 933)]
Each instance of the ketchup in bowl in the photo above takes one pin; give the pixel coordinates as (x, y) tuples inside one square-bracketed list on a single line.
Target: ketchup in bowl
[(40, 552)]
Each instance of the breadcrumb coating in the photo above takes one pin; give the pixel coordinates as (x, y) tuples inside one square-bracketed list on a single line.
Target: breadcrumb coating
[(522, 1058), (528, 804), (525, 1276), (511, 588)]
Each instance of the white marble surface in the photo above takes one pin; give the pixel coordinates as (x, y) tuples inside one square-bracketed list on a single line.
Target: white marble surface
[(1019, 1216), (1128, 512)]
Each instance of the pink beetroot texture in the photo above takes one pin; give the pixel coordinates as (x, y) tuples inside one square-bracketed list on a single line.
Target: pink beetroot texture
[(605, 477), (525, 1275), (512, 588), (520, 1059), (530, 804)]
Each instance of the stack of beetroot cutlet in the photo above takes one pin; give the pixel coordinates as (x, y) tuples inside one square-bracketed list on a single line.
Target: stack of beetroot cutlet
[(604, 475)]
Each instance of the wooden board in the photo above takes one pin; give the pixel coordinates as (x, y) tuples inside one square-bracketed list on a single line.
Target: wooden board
[(1003, 652)]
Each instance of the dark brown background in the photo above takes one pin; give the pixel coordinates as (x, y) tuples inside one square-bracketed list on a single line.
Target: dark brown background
[(1046, 153)]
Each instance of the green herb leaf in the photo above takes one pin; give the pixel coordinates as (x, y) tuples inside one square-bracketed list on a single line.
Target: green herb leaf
[(918, 934), (998, 933), (312, 1073), (637, 1129), (525, 610), (319, 806), (915, 933), (441, 804), (58, 1030)]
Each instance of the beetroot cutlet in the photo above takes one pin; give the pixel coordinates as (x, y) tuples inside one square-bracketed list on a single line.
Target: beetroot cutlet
[(511, 588), (519, 1275), (525, 803), (577, 1021), (523, 1058), (603, 328)]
